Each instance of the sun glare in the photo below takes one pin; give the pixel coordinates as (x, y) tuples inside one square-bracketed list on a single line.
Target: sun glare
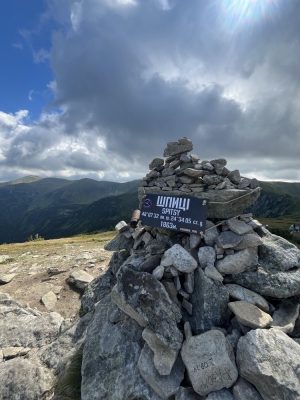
[(243, 12)]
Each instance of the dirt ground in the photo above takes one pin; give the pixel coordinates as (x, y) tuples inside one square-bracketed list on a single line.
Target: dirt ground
[(32, 261)]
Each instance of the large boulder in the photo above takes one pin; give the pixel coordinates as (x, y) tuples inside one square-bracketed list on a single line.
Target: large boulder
[(149, 299), (110, 357), (269, 359), (209, 301)]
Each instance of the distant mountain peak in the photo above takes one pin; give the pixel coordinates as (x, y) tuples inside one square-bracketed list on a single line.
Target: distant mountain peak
[(24, 179)]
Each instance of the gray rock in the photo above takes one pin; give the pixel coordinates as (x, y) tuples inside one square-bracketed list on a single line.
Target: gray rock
[(194, 240), (185, 180), (213, 273), (249, 240), (149, 299), (223, 394), (112, 348), (173, 149), (255, 224), (254, 183), (167, 172), (138, 232), (49, 300), (195, 173), (12, 352), (149, 264), (21, 379), (238, 262), (233, 338), (158, 272), (175, 164), (234, 176), (243, 390), (120, 242), (117, 260), (220, 186), (228, 240), (99, 287), (189, 282), (250, 315), (41, 328), (269, 359), (285, 317), (187, 306), (182, 260), (239, 227), (209, 301), (164, 386), (80, 279), (212, 179), (240, 293), (219, 161), (210, 363), (187, 394), (157, 162), (244, 183), (160, 182), (171, 290), (206, 256), (164, 357), (6, 278), (120, 226), (211, 233), (207, 166), (4, 258), (278, 254)]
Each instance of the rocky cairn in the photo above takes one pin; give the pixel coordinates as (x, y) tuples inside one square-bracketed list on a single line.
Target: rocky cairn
[(175, 316), (218, 314)]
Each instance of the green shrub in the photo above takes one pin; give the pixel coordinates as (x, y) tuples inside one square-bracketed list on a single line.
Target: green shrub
[(36, 238)]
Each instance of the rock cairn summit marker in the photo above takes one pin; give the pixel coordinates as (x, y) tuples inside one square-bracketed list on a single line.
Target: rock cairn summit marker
[(201, 300)]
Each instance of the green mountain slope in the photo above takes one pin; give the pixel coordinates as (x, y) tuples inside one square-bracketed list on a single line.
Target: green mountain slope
[(24, 179)]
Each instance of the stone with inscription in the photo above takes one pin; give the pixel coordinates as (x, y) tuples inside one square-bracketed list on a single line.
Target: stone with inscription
[(238, 292), (269, 359), (182, 260), (250, 315), (238, 262), (210, 362), (244, 390), (285, 317), (223, 394), (164, 385), (164, 357)]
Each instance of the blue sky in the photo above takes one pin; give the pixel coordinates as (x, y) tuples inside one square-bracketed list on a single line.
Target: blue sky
[(96, 88)]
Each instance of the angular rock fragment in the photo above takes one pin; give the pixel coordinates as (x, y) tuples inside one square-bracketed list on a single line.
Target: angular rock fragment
[(164, 386), (249, 240), (238, 262), (213, 273), (120, 242), (49, 300), (148, 297), (269, 359), (211, 233), (206, 256), (6, 278), (173, 148), (210, 363), (239, 227), (285, 317), (80, 279), (182, 260), (240, 293), (228, 240), (189, 282), (209, 301), (158, 272), (164, 356), (244, 390), (234, 176), (157, 162), (250, 315), (194, 240)]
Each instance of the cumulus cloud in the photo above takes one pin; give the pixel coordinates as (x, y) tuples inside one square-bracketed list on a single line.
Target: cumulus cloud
[(131, 75)]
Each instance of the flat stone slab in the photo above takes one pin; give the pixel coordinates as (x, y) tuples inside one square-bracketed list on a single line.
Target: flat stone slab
[(174, 148), (250, 315), (80, 279), (49, 300), (164, 386), (238, 262), (238, 292), (182, 260), (11, 352), (228, 240), (164, 356), (6, 278), (285, 317), (239, 227), (269, 359), (210, 363), (249, 240)]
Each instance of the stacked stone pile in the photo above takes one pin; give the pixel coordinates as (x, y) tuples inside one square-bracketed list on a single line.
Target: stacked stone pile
[(218, 315)]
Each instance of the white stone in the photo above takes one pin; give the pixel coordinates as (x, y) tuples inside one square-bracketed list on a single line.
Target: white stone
[(49, 300), (238, 262)]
